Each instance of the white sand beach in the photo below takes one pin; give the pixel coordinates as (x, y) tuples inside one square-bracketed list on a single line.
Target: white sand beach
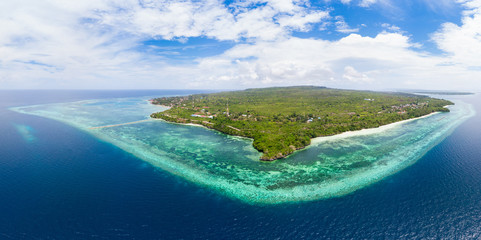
[(366, 131)]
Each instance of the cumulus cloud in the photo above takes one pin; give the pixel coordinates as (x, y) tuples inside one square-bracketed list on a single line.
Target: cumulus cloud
[(61, 44), (266, 20), (384, 61), (94, 44), (463, 42), (314, 61)]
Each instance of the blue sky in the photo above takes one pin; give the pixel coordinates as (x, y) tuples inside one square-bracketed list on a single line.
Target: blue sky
[(236, 44)]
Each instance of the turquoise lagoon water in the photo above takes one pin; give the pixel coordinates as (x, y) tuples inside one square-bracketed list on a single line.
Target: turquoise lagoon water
[(330, 167)]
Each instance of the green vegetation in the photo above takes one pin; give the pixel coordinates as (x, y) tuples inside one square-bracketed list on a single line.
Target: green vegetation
[(284, 119)]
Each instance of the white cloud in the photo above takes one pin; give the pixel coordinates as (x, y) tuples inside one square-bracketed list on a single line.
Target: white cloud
[(463, 43), (367, 3), (361, 3), (313, 61), (41, 49), (384, 61), (93, 44), (342, 26), (391, 27), (170, 19), (353, 75)]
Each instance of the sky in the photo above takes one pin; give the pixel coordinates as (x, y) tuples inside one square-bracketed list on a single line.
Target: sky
[(238, 44)]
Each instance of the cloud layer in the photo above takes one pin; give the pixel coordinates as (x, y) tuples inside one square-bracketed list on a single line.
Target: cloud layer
[(95, 44)]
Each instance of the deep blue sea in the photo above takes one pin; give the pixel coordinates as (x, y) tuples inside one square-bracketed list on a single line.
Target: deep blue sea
[(57, 182)]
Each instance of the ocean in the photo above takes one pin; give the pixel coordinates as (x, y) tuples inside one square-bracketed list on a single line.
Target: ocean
[(59, 180)]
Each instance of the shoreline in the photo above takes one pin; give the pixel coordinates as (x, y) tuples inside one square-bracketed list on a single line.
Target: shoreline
[(212, 129), (318, 140), (366, 131)]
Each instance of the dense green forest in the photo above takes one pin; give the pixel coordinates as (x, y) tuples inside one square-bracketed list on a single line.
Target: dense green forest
[(284, 119)]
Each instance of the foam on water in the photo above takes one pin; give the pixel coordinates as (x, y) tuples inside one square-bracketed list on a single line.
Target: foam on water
[(330, 167)]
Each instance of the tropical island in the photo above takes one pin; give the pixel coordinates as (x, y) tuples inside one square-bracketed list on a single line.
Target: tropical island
[(281, 120)]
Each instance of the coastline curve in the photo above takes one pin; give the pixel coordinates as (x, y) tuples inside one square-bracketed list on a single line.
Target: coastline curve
[(330, 167)]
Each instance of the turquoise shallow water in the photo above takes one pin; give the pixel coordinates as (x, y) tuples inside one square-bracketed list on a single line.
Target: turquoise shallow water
[(332, 166)]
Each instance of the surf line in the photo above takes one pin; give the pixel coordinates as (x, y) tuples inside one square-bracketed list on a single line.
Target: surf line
[(121, 124)]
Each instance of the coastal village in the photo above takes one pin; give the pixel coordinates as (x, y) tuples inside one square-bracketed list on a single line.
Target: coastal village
[(402, 109)]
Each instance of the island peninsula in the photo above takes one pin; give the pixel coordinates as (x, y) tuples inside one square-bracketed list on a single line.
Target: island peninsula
[(282, 120)]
